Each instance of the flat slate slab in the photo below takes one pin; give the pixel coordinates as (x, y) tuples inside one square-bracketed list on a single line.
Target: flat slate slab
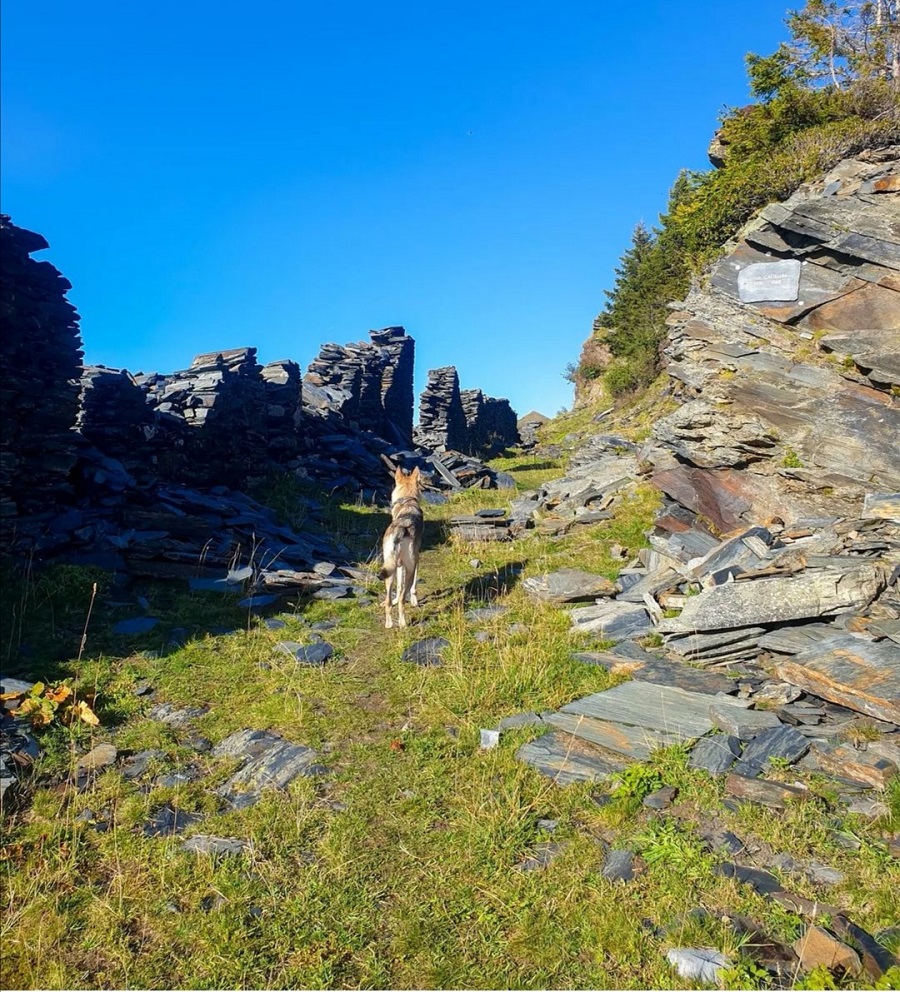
[(675, 712), (637, 743), (428, 652), (779, 599), (568, 585), (715, 754), (208, 844), (758, 790), (659, 671), (566, 759), (614, 621), (309, 654), (269, 762), (852, 671), (135, 625), (742, 723), (785, 743)]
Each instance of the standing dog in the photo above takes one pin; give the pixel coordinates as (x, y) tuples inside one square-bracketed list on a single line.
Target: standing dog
[(401, 543)]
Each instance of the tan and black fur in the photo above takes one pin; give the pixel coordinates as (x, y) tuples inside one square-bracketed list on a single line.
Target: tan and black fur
[(401, 544)]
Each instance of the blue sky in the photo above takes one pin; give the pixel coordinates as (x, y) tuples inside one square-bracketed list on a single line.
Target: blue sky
[(281, 174)]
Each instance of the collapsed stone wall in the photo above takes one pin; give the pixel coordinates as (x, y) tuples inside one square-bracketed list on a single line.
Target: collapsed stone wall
[(212, 419), (491, 423), (370, 383), (40, 352)]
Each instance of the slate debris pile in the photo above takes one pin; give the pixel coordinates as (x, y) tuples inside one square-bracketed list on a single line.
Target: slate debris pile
[(370, 384), (40, 353), (484, 525), (214, 414), (528, 428)]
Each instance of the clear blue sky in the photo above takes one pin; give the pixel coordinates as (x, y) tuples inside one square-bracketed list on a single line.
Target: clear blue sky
[(281, 174)]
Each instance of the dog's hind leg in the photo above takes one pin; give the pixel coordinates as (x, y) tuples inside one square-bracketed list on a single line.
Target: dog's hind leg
[(388, 583), (413, 599), (402, 578)]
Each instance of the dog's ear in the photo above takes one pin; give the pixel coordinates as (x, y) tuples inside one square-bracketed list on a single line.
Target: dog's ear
[(399, 476), (415, 475)]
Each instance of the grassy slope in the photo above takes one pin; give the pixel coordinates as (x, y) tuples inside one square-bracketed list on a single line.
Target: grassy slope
[(400, 869)]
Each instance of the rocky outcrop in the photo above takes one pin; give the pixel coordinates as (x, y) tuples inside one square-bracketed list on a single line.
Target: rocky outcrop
[(787, 363), (40, 352)]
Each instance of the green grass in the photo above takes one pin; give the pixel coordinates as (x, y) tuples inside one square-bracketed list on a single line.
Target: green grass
[(400, 868)]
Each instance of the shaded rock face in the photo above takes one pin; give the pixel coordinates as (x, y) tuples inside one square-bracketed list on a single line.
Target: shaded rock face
[(40, 352), (370, 384), (211, 419), (466, 421), (789, 401), (491, 423)]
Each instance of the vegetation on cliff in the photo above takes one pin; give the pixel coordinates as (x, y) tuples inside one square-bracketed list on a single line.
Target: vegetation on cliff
[(831, 92)]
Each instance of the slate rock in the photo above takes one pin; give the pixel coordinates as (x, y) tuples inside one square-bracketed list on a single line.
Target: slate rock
[(618, 866), (135, 625), (98, 758), (757, 790), (527, 719), (742, 723), (208, 844), (542, 854), (614, 620), (722, 841), (661, 798), (139, 764), (170, 715), (167, 820), (781, 742), (818, 948), (715, 754), (427, 652), (763, 882), (484, 613), (703, 965), (568, 585), (316, 653), (257, 602)]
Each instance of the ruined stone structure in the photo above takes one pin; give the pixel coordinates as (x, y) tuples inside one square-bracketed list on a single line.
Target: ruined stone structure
[(370, 384), (442, 420), (114, 416), (40, 351), (283, 386), (492, 423), (212, 419)]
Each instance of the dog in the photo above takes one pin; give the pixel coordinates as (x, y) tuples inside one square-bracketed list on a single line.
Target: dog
[(401, 544)]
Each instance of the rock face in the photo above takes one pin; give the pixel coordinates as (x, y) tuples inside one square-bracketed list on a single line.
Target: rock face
[(786, 363), (40, 352)]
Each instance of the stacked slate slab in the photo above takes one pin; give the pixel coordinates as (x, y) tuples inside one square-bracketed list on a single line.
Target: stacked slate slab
[(370, 384), (283, 384), (491, 423), (40, 352), (221, 401), (114, 416), (397, 395), (442, 419)]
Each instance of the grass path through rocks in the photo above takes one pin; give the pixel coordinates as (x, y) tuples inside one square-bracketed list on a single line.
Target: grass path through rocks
[(418, 859)]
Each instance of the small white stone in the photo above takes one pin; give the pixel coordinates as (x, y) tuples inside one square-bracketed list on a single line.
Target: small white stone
[(489, 739)]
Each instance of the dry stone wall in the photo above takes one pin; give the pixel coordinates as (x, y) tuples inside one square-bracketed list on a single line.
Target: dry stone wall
[(370, 383), (442, 420), (40, 352)]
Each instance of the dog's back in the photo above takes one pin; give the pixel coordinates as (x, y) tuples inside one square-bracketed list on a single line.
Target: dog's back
[(402, 542)]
